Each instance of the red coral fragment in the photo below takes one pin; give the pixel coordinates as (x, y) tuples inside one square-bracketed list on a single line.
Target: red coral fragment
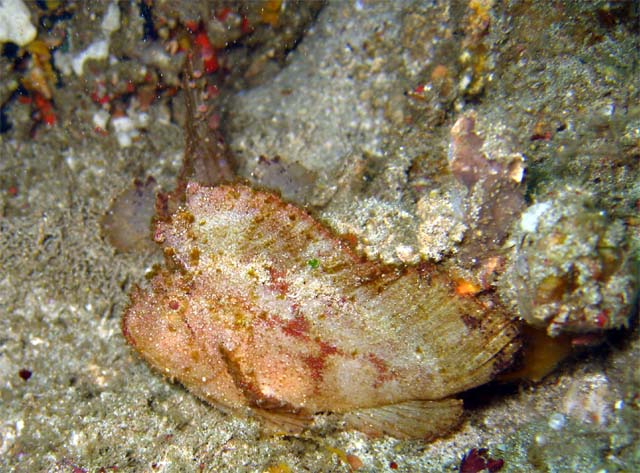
[(207, 52), (223, 14), (245, 26), (45, 109), (192, 26), (478, 460)]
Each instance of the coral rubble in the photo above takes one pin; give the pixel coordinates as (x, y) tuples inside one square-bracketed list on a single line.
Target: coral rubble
[(572, 270)]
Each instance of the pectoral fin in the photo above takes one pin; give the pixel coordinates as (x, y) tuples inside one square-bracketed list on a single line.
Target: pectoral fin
[(407, 420), (277, 416)]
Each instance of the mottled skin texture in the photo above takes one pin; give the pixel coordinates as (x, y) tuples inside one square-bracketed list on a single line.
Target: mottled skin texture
[(262, 307)]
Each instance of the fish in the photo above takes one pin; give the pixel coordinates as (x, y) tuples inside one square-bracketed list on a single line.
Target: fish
[(261, 310)]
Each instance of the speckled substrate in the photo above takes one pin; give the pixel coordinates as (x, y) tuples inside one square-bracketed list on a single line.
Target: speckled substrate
[(91, 403)]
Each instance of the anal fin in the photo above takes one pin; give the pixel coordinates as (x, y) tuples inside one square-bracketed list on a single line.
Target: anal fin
[(282, 422), (408, 420)]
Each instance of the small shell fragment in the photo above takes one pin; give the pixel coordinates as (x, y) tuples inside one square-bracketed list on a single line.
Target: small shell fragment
[(261, 308)]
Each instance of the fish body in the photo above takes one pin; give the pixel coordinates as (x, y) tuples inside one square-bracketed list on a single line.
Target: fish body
[(261, 307)]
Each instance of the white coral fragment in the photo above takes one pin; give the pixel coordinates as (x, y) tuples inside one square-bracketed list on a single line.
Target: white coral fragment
[(15, 23)]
